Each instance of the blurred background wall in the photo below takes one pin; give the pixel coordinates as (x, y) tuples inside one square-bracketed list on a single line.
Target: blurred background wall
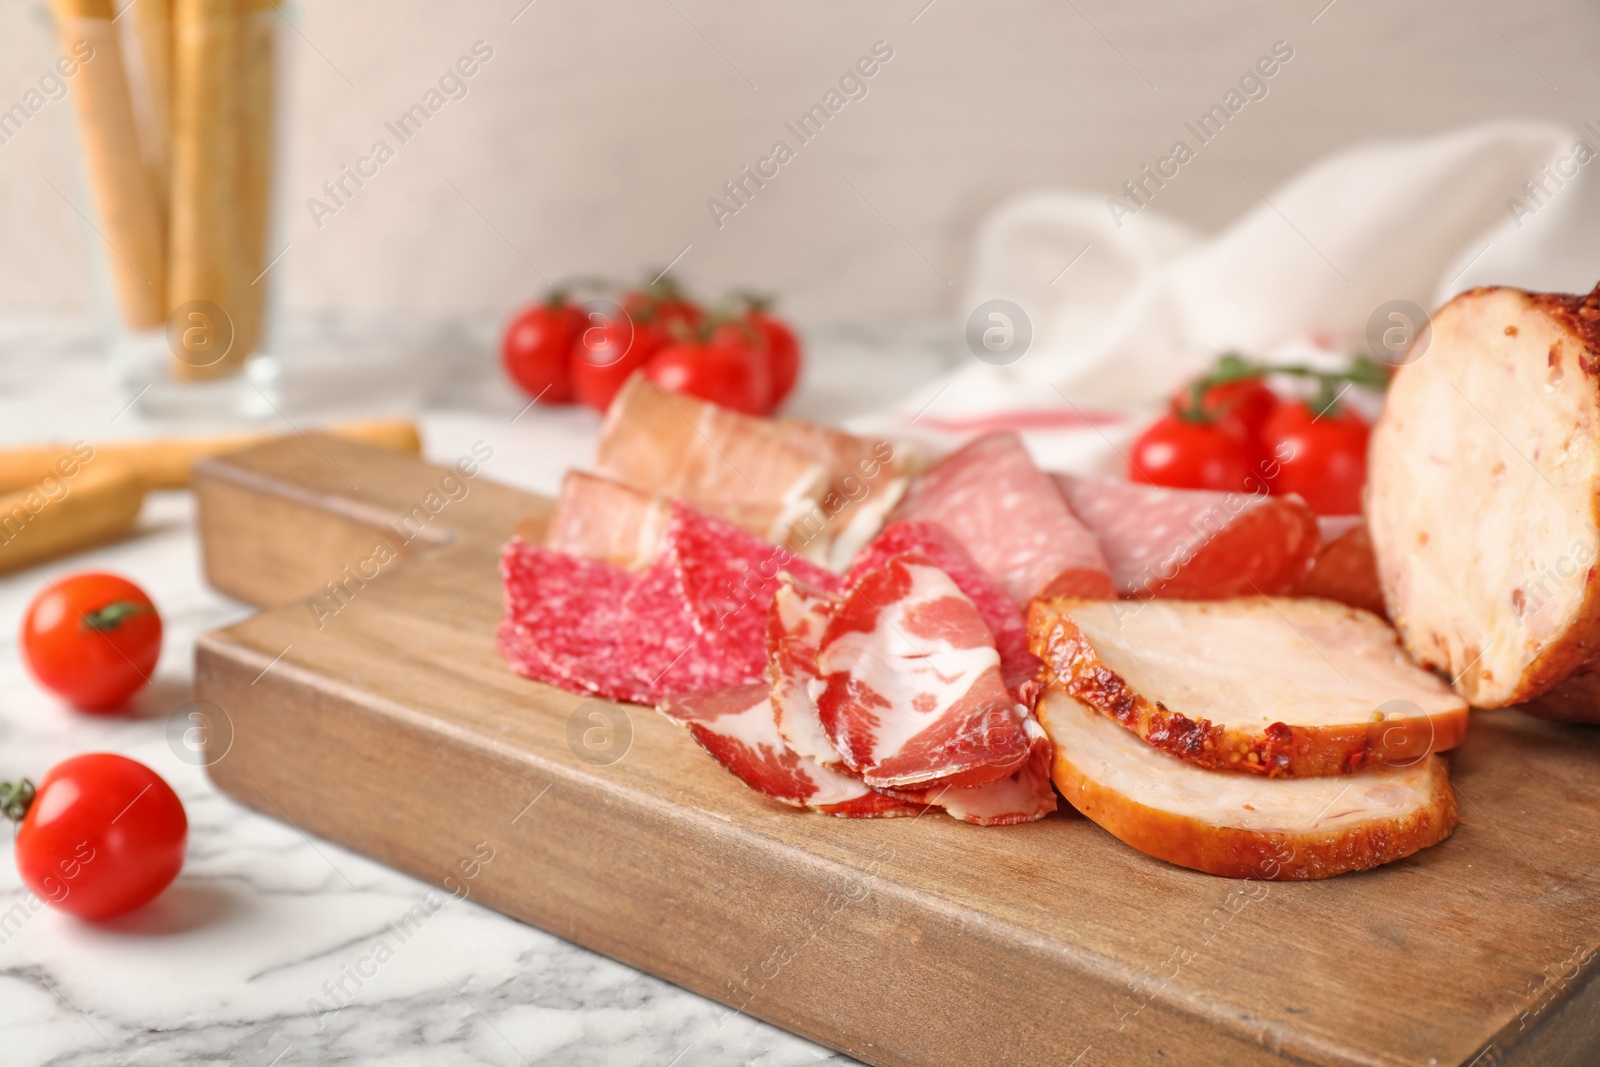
[(593, 136)]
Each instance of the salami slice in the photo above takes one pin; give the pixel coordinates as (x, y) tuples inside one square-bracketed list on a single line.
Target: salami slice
[(1025, 796), (701, 608), (565, 624), (736, 726), (1187, 544), (606, 520), (1345, 569), (1000, 613), (1007, 514), (912, 694), (799, 616)]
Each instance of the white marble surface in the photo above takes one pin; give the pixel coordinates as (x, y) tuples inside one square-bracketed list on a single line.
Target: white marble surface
[(224, 967)]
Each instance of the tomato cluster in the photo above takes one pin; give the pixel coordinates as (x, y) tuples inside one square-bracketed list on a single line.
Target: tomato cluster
[(102, 834), (1230, 432), (559, 351)]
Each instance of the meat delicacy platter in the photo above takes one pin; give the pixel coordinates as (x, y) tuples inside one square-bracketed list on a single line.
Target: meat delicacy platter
[(951, 759)]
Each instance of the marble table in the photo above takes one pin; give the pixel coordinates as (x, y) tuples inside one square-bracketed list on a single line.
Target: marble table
[(238, 961)]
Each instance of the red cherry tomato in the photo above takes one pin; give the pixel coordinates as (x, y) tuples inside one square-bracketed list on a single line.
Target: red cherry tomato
[(774, 341), (1321, 457), (1185, 454), (663, 302), (537, 350), (103, 835), (92, 639), (729, 376), (607, 353), (1244, 404)]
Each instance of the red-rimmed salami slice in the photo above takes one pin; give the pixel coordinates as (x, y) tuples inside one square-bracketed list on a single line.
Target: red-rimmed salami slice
[(736, 726), (913, 695), (565, 624), (701, 608), (1189, 544), (1345, 569), (1006, 513), (1000, 613), (799, 616), (1025, 796)]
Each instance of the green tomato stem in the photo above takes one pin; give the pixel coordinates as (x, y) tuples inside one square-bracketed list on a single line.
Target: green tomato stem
[(15, 799)]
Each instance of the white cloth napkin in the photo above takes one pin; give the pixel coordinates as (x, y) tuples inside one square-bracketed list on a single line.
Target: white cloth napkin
[(1124, 314)]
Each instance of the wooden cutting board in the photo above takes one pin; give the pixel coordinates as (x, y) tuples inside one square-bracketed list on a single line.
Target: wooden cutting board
[(384, 719)]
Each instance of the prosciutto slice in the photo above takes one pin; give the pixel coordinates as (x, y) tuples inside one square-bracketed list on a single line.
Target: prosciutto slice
[(1190, 544), (602, 519), (1000, 613), (799, 616), (1025, 796), (912, 694), (1007, 514), (736, 727)]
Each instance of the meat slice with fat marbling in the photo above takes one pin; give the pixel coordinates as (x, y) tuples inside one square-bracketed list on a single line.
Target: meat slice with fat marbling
[(1192, 544), (913, 695), (1483, 493), (1269, 686), (1024, 796), (1239, 826), (795, 625), (736, 727), (1009, 517)]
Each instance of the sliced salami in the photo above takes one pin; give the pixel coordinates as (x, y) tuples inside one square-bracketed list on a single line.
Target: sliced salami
[(1000, 613), (736, 727), (565, 624), (912, 694), (1187, 544), (720, 579), (799, 616), (606, 520), (1025, 796), (1345, 569), (1007, 514)]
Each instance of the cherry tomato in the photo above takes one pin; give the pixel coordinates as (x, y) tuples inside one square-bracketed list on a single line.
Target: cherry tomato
[(92, 639), (726, 375), (102, 835), (537, 349), (776, 344), (664, 303), (1321, 457), (607, 353), (1245, 404), (1186, 454)]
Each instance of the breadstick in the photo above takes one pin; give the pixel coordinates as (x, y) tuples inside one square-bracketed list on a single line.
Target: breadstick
[(204, 225), (257, 79), (60, 515), (165, 463), (125, 201), (153, 22)]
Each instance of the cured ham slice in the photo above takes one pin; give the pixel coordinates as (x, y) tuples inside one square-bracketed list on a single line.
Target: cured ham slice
[(606, 520), (736, 727), (867, 480), (1483, 493), (1345, 569), (912, 694), (1025, 796), (734, 466), (1269, 686), (1000, 613), (795, 625), (702, 606), (1009, 517), (1239, 826), (1191, 544), (565, 624)]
